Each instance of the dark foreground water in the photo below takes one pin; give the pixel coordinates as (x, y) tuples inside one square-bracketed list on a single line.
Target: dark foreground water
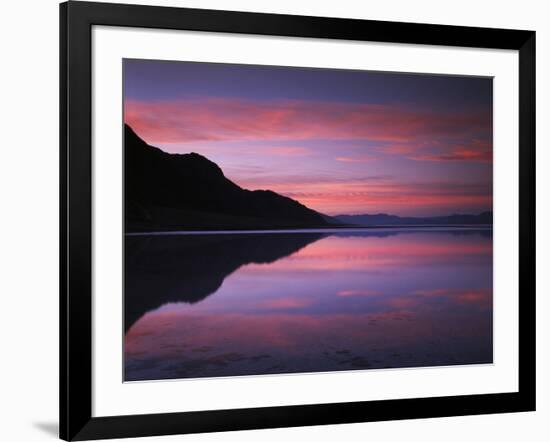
[(246, 304)]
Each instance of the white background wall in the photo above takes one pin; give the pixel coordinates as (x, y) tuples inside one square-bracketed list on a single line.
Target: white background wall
[(29, 206)]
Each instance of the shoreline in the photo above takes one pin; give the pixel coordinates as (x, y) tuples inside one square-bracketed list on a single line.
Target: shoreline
[(431, 227)]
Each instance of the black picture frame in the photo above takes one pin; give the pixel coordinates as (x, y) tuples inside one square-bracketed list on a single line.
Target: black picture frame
[(76, 21)]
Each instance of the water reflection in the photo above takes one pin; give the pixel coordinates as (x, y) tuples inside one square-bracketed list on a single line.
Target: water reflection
[(226, 305)]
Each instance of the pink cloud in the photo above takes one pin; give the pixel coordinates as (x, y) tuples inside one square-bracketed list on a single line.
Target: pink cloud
[(286, 303), (345, 196), (398, 148), (476, 150), (356, 159), (290, 150), (458, 155), (208, 119), (235, 133)]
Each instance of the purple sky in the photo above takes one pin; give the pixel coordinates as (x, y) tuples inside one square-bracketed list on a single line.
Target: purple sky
[(338, 141)]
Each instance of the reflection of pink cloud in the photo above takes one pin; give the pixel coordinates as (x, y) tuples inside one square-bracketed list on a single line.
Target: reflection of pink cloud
[(189, 120), (431, 292), (338, 253), (352, 293), (404, 303), (179, 335), (475, 296), (481, 297)]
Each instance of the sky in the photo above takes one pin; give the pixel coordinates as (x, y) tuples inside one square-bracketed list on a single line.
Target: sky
[(338, 141)]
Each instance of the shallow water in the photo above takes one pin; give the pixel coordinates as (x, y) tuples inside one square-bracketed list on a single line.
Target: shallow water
[(231, 304)]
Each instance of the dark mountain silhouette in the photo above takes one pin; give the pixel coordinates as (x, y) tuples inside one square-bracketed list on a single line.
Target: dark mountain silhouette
[(187, 191), (188, 268), (383, 219)]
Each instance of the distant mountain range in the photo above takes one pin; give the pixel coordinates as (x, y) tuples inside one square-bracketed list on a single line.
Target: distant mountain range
[(383, 219), (187, 191)]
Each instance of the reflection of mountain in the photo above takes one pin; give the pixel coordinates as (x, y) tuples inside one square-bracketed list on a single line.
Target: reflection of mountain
[(178, 192), (188, 268)]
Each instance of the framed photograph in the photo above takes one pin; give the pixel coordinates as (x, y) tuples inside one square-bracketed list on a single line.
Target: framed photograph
[(272, 220)]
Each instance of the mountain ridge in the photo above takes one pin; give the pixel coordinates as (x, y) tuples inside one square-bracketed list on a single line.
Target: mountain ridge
[(166, 191)]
